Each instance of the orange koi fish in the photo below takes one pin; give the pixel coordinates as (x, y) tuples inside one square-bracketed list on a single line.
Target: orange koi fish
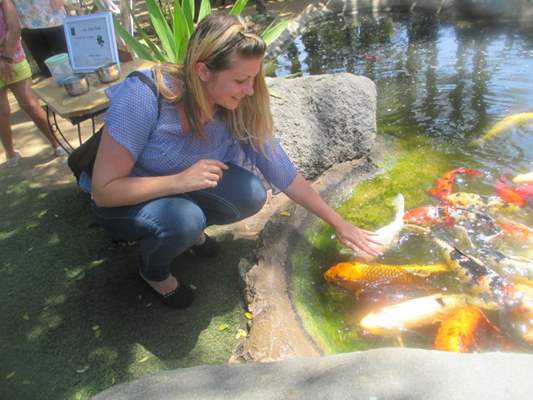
[(457, 332), (355, 275), (509, 194), (444, 185)]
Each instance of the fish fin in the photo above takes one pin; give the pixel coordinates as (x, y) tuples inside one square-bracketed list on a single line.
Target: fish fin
[(416, 229), (400, 340)]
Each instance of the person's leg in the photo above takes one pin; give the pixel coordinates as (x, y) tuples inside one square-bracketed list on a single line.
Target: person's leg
[(29, 103), (165, 227), (5, 125), (238, 195)]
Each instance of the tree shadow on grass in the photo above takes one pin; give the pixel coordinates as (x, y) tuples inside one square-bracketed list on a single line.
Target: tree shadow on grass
[(76, 318)]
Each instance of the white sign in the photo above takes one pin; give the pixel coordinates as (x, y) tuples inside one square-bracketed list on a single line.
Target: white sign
[(91, 41)]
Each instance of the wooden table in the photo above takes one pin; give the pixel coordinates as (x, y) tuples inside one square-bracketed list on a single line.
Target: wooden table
[(80, 108)]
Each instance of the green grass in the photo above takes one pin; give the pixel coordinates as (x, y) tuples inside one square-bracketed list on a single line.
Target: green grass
[(75, 319)]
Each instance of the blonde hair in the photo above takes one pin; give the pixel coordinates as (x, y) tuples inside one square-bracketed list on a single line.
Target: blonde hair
[(216, 39)]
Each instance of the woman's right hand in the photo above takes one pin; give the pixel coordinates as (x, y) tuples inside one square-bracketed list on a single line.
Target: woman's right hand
[(6, 71), (201, 175)]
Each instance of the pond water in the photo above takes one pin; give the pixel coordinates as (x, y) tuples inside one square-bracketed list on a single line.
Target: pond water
[(441, 84)]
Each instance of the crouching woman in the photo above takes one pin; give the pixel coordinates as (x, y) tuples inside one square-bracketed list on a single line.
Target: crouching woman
[(171, 164)]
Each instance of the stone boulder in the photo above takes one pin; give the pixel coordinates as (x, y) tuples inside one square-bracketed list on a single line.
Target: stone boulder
[(324, 120)]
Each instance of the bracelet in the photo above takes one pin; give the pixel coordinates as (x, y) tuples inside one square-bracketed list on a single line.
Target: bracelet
[(6, 58)]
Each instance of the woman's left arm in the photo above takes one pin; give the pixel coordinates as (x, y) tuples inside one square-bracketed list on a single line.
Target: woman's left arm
[(301, 192), (10, 40)]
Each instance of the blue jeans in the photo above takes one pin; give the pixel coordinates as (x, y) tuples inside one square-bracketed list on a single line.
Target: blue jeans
[(168, 226)]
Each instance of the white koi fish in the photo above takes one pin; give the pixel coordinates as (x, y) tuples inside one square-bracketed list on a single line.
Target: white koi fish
[(387, 235), (415, 313)]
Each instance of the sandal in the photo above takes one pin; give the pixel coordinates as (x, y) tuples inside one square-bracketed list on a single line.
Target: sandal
[(181, 297), (209, 248)]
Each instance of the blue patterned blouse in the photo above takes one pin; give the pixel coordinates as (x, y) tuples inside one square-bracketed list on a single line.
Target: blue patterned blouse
[(160, 147)]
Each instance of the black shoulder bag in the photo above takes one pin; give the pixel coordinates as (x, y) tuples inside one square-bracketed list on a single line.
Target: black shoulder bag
[(82, 158)]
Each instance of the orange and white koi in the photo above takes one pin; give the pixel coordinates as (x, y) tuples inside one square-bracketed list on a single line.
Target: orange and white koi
[(457, 332), (524, 178), (416, 313), (473, 200), (430, 216), (515, 229), (355, 275)]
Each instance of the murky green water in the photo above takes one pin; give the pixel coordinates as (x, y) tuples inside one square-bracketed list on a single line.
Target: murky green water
[(441, 84)]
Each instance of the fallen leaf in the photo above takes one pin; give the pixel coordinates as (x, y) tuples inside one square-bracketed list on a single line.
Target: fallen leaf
[(145, 358), (222, 327), (285, 214), (248, 315), (82, 369), (241, 333)]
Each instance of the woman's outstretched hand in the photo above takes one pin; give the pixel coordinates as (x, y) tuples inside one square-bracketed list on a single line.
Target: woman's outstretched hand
[(357, 239), (201, 175)]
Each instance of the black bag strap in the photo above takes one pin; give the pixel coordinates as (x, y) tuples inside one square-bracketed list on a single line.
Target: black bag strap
[(151, 84), (82, 158)]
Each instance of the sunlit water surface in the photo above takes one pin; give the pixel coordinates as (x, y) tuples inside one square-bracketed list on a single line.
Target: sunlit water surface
[(441, 84)]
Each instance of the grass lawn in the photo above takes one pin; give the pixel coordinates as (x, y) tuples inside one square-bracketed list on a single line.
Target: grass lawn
[(76, 319)]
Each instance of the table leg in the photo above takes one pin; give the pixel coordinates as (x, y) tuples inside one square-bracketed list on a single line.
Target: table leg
[(54, 128)]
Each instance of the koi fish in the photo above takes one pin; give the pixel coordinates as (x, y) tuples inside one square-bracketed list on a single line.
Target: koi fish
[(457, 332), (444, 186), (473, 200), (515, 268), (504, 124), (472, 272), (416, 313), (525, 191), (522, 315), (354, 275), (509, 194), (515, 229), (387, 236), (484, 224), (524, 178)]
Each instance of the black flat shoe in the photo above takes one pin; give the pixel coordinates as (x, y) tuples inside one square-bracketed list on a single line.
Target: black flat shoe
[(181, 297), (209, 248)]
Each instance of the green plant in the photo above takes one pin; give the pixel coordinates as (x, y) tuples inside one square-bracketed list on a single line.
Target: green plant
[(174, 27)]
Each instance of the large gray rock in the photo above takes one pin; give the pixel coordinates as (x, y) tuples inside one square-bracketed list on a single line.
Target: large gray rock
[(324, 120), (369, 375)]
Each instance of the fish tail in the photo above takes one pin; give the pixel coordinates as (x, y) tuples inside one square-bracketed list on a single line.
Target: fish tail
[(399, 206)]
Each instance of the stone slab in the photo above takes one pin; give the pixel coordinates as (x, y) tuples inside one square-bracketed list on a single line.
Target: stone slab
[(390, 373)]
